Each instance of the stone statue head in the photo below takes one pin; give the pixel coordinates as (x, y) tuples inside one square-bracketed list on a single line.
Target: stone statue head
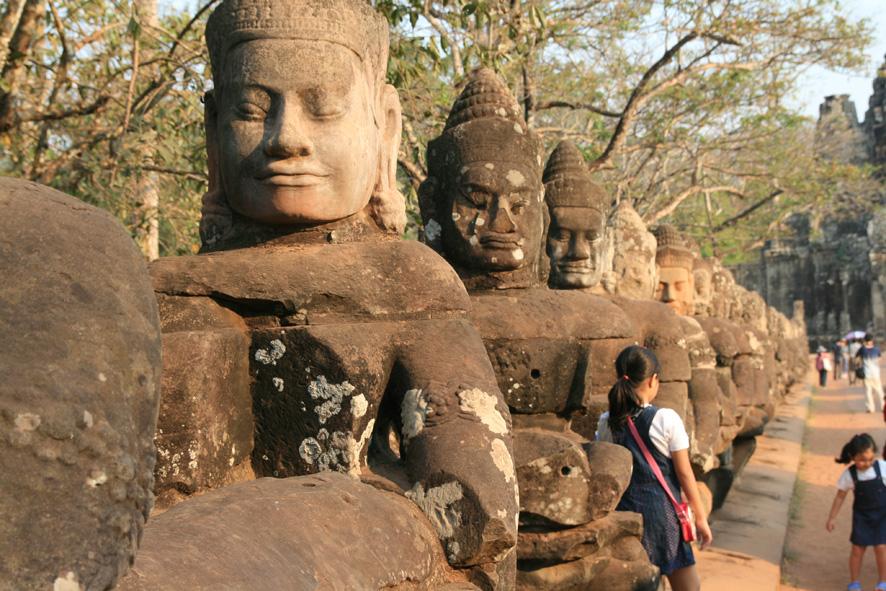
[(674, 261), (703, 276), (482, 201), (633, 258), (577, 208), (301, 129), (723, 284)]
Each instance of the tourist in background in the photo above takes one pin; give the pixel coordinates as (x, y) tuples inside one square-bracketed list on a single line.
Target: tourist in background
[(839, 358), (659, 435), (822, 366), (854, 346), (868, 358), (866, 476)]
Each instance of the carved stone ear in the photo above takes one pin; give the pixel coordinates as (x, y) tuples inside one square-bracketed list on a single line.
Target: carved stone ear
[(387, 206), (216, 216)]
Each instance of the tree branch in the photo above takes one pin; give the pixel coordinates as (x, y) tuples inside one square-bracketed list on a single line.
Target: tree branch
[(576, 107), (748, 211), (636, 100)]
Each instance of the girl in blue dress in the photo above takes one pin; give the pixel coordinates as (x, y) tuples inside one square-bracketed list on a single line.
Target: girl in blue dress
[(664, 435), (866, 476)]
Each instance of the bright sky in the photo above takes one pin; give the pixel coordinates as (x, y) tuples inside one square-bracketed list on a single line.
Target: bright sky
[(818, 82)]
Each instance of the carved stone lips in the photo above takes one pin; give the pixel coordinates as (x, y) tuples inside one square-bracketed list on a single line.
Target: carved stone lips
[(502, 241), (292, 176), (575, 266)]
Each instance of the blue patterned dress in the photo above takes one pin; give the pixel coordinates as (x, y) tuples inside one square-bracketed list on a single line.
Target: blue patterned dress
[(661, 528)]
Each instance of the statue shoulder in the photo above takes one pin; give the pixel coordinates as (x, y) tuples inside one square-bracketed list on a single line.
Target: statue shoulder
[(322, 283), (548, 313)]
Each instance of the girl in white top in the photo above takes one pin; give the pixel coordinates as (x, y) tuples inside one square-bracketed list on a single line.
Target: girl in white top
[(663, 433), (866, 477)]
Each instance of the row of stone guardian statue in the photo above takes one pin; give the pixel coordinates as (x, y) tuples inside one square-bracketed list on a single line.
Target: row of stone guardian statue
[(339, 408)]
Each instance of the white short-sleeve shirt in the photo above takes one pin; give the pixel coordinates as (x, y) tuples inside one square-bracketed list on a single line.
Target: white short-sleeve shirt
[(667, 432), (845, 481)]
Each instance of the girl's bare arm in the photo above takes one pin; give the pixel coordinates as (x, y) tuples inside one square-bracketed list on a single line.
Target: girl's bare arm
[(835, 508), (690, 489)]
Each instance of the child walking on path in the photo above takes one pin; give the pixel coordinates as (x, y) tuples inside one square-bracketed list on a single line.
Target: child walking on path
[(866, 476), (632, 419), (823, 366)]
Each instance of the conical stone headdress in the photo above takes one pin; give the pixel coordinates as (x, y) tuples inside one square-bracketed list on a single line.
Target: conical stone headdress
[(485, 124), (485, 96), (568, 182), (353, 24), (672, 248)]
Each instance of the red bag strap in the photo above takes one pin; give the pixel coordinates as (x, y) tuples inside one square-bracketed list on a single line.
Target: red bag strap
[(654, 465)]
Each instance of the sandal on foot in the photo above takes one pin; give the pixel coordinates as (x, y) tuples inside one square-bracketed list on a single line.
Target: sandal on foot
[(854, 586)]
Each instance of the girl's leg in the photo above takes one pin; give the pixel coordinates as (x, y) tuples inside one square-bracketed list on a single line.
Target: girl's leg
[(855, 558), (685, 579), (880, 553)]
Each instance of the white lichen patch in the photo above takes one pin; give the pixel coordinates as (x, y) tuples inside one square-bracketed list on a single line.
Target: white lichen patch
[(26, 422), (102, 377), (331, 394), (433, 229), (96, 478), (502, 459), (278, 383), (515, 177), (456, 216), (518, 128), (518, 255), (541, 464), (413, 412), (309, 450), (483, 405), (438, 503), (338, 451), (87, 419), (489, 166), (479, 221), (359, 405), (353, 452), (474, 240), (453, 550), (501, 112), (67, 583), (272, 354)]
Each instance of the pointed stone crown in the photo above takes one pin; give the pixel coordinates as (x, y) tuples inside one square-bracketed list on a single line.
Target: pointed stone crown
[(485, 96), (353, 24), (672, 248), (568, 182)]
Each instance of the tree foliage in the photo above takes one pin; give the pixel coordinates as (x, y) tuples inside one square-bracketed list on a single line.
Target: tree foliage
[(679, 105)]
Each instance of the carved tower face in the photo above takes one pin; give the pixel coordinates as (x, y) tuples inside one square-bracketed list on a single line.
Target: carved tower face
[(300, 127), (702, 274), (676, 285), (483, 197), (576, 205), (633, 261)]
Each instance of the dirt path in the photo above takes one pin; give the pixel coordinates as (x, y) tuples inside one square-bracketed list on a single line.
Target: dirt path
[(815, 560)]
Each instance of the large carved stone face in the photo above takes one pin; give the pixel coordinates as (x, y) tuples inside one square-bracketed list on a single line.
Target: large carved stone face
[(675, 288), (633, 258), (297, 139), (495, 215), (575, 237), (703, 290)]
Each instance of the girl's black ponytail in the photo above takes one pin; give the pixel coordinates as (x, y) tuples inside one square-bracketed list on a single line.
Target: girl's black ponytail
[(632, 366), (858, 444)]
